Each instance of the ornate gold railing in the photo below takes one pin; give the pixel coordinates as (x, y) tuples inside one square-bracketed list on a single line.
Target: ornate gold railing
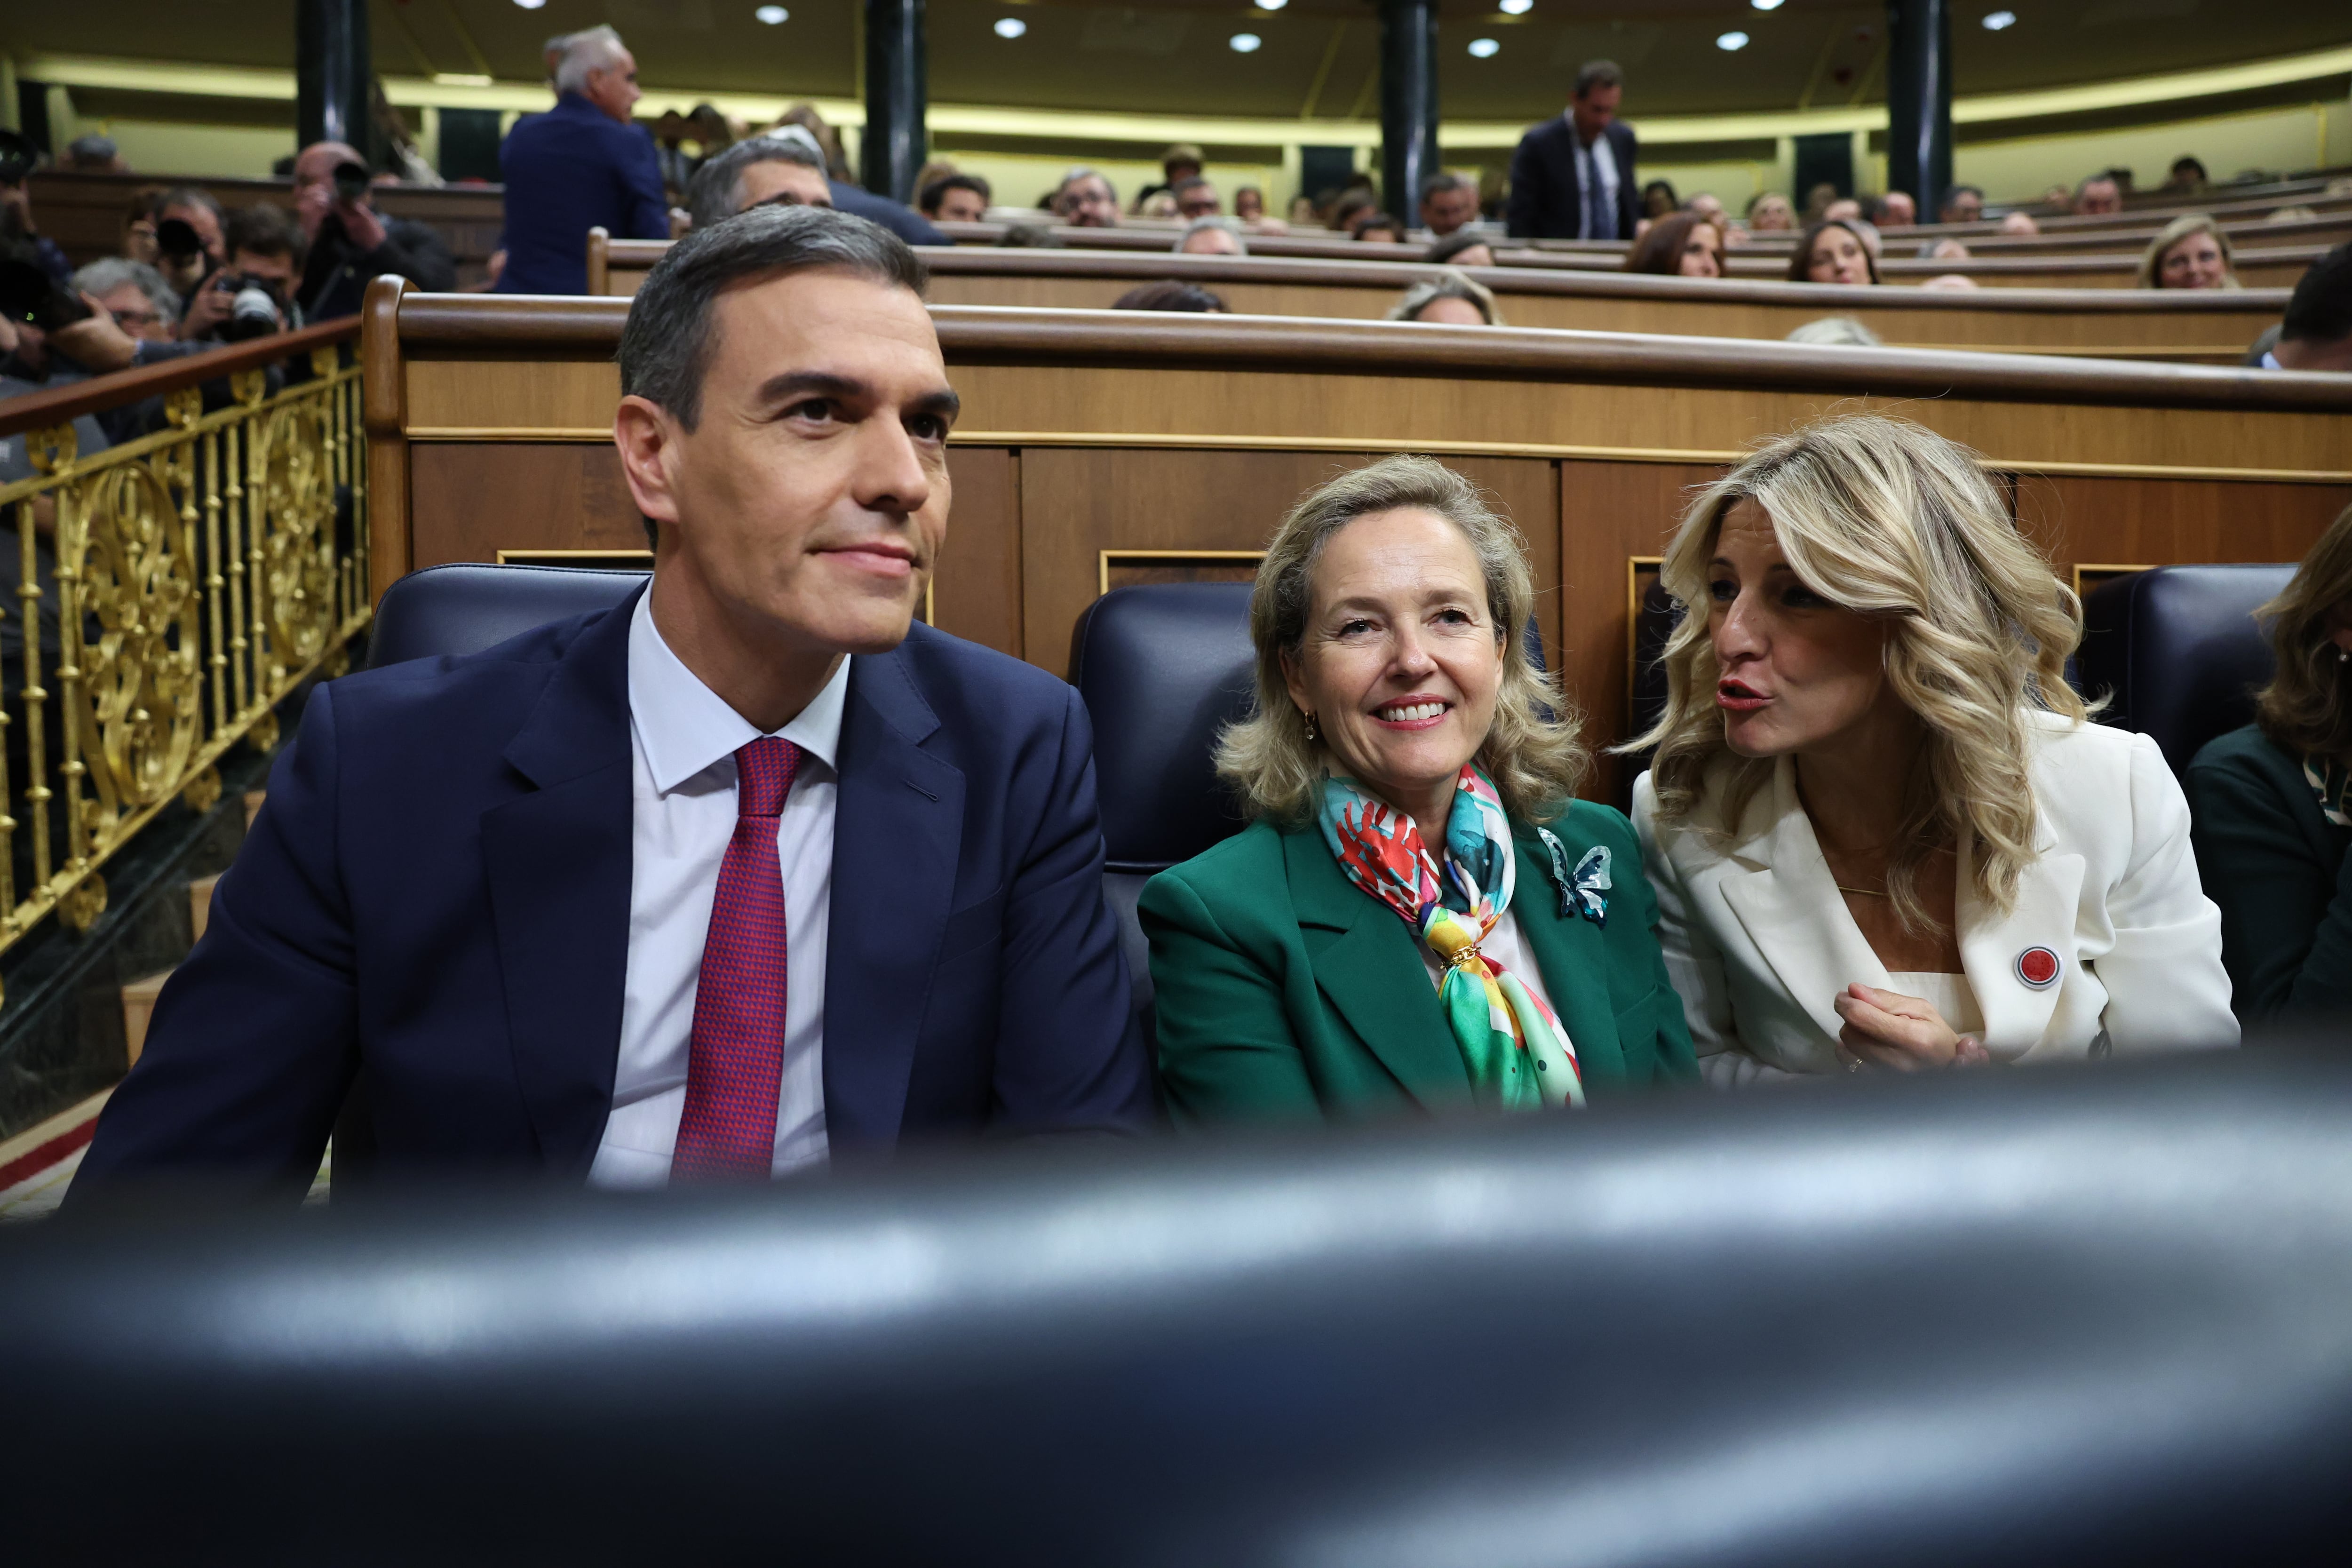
[(171, 590)]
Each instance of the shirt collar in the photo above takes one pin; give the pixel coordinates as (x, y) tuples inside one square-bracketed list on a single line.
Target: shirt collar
[(684, 726)]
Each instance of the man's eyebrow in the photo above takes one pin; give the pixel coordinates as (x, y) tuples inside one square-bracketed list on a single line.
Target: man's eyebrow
[(792, 384), (944, 403)]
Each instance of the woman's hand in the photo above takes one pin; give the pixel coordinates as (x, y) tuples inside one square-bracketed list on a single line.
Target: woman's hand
[(1888, 1029)]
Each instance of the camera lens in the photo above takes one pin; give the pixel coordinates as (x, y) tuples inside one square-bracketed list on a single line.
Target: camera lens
[(350, 181), (251, 315), (176, 238)]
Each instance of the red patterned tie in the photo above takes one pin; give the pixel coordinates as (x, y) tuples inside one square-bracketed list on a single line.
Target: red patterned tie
[(728, 1129)]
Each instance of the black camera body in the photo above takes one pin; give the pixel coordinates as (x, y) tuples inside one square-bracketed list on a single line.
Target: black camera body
[(351, 182), (256, 311)]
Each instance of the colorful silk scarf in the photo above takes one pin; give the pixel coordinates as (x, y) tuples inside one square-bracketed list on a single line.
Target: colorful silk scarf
[(2331, 784), (1519, 1057)]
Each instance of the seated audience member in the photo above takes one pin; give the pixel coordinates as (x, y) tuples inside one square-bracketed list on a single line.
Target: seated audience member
[(582, 164), (2292, 215), (2317, 333), (1707, 204), (1171, 295), (1950, 280), (1353, 204), (1211, 236), (1159, 204), (94, 154), (2019, 223), (2187, 174), (1895, 209), (1181, 163), (743, 877), (1422, 917), (189, 237), (139, 230), (1029, 236), (1658, 199), (1881, 831), (898, 219), (2098, 196), (1196, 197), (2059, 198), (931, 174), (135, 294), (351, 244), (782, 168), (2272, 805), (1769, 212), (1944, 250), (1818, 202), (1453, 299), (1845, 209), (1836, 331), (1962, 204), (1683, 246), (2190, 252), (955, 199), (1249, 205), (1462, 249), (1085, 199), (1833, 252), (1377, 227), (1448, 202)]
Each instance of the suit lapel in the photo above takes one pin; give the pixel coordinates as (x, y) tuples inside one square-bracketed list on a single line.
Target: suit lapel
[(1571, 952), (1790, 907), (896, 839), (2049, 892), (557, 863), (1368, 965)]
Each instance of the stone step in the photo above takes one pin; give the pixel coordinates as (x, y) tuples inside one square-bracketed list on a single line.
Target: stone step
[(138, 1008), (253, 799), (200, 904)]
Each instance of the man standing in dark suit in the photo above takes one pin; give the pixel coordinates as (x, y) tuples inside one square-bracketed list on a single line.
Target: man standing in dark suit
[(580, 165), (742, 878), (1572, 178)]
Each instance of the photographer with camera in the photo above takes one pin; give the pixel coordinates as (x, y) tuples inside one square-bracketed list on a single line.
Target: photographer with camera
[(351, 242), (18, 158), (253, 295)]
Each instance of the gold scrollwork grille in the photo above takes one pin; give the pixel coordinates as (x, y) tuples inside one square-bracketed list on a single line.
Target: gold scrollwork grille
[(170, 592)]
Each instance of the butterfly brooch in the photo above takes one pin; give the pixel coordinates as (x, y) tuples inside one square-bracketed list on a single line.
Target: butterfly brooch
[(1580, 889)]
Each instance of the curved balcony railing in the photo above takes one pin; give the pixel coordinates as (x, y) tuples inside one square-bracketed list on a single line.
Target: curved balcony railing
[(171, 591)]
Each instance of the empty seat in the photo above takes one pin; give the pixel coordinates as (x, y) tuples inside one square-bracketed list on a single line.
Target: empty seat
[(466, 608), (2177, 650)]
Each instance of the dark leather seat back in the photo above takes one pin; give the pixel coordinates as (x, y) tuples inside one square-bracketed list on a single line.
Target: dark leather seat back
[(466, 608), (1162, 667), (2178, 648)]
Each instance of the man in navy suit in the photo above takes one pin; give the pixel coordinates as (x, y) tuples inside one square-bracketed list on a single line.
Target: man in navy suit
[(580, 165), (1572, 178), (741, 878)]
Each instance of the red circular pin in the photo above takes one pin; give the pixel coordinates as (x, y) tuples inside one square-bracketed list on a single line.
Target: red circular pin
[(2038, 967)]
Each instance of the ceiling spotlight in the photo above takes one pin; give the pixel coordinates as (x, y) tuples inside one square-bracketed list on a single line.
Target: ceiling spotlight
[(1244, 43), (1484, 48), (1767, 4), (2001, 19), (530, 5), (1515, 7), (1732, 41), (1272, 4), (773, 14), (1011, 26)]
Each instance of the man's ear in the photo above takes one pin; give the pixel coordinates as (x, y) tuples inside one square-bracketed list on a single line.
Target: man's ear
[(647, 438)]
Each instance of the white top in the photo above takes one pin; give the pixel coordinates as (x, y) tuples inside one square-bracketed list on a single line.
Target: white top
[(1951, 995), (683, 741), (1503, 947), (1595, 163), (1760, 944)]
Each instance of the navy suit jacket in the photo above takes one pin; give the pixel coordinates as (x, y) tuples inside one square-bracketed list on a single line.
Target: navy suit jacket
[(570, 169), (432, 909), (1546, 195)]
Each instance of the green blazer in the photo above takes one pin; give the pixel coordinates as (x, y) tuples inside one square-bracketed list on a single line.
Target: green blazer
[(2269, 856), (1284, 993)]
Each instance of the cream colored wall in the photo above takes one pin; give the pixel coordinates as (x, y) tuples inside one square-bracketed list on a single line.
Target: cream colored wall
[(218, 151), (2277, 138), (1732, 184)]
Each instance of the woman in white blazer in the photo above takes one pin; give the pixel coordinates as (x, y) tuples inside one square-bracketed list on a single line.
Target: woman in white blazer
[(1882, 833)]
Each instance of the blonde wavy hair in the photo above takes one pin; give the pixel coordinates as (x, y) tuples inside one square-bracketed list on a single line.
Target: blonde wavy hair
[(2176, 231), (2307, 705), (1533, 752), (1892, 521)]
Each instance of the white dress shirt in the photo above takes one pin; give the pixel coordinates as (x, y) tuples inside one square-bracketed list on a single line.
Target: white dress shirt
[(1596, 162), (683, 741)]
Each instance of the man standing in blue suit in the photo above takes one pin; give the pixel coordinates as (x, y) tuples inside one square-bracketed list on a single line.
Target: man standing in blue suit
[(578, 166), (744, 877)]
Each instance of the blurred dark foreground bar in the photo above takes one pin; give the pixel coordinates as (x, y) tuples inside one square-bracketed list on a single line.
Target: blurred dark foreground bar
[(2059, 1317)]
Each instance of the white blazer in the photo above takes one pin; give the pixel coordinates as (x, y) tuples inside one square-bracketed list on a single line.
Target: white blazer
[(1759, 942)]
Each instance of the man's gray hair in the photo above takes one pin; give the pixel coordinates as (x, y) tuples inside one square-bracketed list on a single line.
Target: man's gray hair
[(1082, 171), (594, 50), (1451, 284), (1225, 224), (665, 347), (1447, 182), (104, 276), (1836, 331), (716, 191)]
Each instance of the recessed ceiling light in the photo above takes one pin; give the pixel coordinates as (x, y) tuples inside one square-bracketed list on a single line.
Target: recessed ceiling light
[(1767, 4), (1515, 7), (1732, 41), (530, 5), (1011, 26), (2001, 19), (1484, 48), (773, 14), (1272, 4), (1244, 43)]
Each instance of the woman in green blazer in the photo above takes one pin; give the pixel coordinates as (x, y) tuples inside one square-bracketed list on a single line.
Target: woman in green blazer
[(1329, 962), (2271, 820)]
